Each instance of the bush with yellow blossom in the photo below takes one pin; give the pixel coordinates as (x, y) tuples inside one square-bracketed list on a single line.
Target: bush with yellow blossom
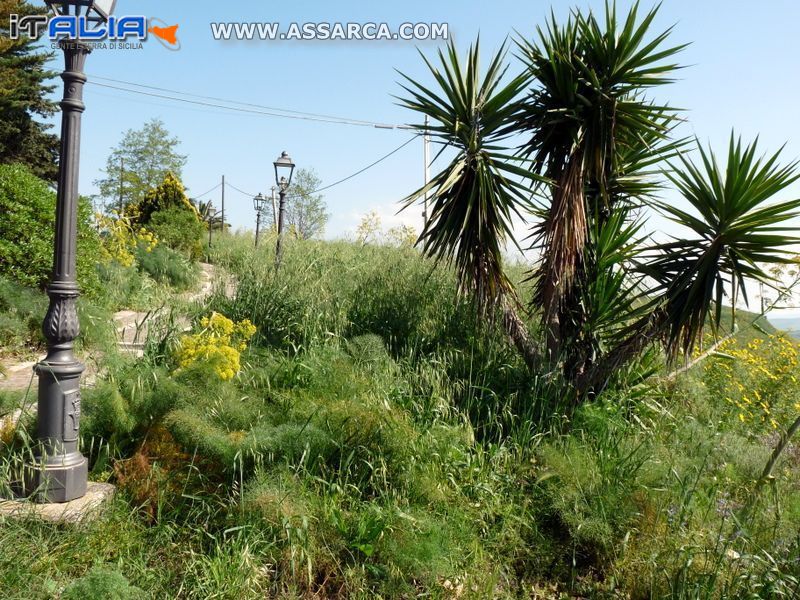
[(121, 239), (757, 380), (219, 343)]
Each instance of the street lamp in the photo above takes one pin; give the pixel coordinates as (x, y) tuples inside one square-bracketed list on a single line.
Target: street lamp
[(95, 11), (284, 167), (258, 204), (60, 472)]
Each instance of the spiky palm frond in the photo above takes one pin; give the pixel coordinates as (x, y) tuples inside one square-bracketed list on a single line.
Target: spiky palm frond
[(616, 295), (476, 195), (588, 122), (735, 233), (641, 162), (210, 215)]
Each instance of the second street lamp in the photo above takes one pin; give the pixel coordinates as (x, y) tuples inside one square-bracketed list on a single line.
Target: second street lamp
[(258, 204), (284, 167)]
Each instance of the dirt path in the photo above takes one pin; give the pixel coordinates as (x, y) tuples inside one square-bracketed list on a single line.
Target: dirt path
[(131, 327)]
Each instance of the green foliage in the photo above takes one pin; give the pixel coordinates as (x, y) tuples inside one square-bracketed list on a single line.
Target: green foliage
[(127, 287), (412, 453), (478, 193), (382, 441), (28, 207), (23, 309), (140, 162), (733, 229), (21, 314), (102, 583), (167, 266), (178, 229), (599, 165), (24, 81), (168, 194), (334, 290)]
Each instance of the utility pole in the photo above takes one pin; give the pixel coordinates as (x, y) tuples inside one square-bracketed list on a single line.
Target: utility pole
[(427, 158), (223, 204), (274, 209)]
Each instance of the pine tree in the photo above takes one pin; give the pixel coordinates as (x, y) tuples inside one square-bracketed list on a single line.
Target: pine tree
[(24, 96)]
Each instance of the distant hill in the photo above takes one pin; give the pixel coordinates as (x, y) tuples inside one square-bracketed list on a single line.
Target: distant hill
[(789, 324), (744, 318)]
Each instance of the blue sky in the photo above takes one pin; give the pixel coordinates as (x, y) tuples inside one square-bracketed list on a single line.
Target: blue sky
[(741, 73)]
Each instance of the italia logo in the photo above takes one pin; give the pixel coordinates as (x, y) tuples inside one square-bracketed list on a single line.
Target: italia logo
[(116, 29)]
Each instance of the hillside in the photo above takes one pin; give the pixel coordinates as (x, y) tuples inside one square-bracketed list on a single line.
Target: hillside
[(380, 441)]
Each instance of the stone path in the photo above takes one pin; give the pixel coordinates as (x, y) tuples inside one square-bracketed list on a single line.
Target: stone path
[(131, 327), (17, 376)]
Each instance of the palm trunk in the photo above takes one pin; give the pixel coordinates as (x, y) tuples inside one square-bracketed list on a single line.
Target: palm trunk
[(645, 331), (565, 236), (518, 334)]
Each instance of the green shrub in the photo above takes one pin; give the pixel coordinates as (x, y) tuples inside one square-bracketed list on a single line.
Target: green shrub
[(169, 194), (102, 583), (23, 309), (28, 209), (136, 396), (327, 291), (126, 287), (167, 266), (21, 314), (180, 230)]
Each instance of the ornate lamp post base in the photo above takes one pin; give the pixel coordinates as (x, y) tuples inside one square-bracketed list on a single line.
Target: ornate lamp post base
[(59, 471)]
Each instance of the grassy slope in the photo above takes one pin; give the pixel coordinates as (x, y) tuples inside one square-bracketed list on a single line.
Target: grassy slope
[(376, 443)]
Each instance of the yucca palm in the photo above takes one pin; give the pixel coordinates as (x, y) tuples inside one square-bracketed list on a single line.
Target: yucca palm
[(595, 154), (476, 195), (735, 235), (589, 123)]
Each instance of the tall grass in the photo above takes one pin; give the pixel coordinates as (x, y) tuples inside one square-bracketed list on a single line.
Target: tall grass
[(381, 442)]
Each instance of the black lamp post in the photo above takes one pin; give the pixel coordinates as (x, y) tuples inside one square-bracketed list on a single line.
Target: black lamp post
[(60, 472), (258, 204), (284, 167)]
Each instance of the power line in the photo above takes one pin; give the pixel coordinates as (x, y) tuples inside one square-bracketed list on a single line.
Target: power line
[(208, 192), (369, 166), (257, 109), (249, 104), (212, 105), (230, 185), (351, 176)]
